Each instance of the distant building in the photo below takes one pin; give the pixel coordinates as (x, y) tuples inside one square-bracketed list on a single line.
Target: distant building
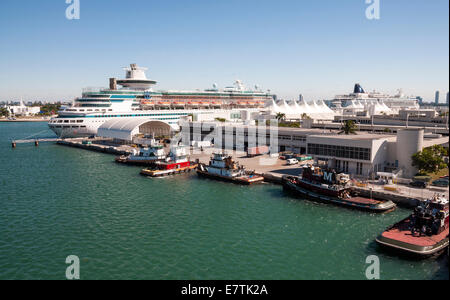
[(300, 98), (447, 98), (419, 100), (436, 98), (22, 110)]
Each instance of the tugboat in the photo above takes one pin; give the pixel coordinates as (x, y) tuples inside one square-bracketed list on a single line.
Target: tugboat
[(144, 156), (177, 162), (330, 187), (424, 233), (222, 167)]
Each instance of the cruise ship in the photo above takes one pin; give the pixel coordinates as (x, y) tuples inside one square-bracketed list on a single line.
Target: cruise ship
[(361, 98), (135, 98)]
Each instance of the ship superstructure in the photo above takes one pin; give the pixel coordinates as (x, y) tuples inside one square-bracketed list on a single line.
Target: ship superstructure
[(366, 100), (136, 99)]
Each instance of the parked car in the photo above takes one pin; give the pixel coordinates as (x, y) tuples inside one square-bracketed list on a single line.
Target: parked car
[(419, 184), (443, 182), (291, 161)]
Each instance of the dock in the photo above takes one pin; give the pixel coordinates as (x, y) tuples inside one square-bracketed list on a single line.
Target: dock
[(36, 140), (97, 145)]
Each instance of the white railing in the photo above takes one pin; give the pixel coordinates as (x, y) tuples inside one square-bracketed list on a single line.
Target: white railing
[(93, 89)]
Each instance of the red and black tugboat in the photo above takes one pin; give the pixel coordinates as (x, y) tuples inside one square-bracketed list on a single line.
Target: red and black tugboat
[(329, 187), (177, 162), (423, 233)]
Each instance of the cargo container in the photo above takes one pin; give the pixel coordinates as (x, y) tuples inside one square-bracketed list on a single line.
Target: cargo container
[(255, 151)]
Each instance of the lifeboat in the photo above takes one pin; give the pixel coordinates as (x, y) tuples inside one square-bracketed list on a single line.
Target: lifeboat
[(163, 104), (242, 103), (147, 102), (178, 104), (193, 103)]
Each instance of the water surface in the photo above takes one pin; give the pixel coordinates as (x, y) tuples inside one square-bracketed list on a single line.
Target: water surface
[(57, 201)]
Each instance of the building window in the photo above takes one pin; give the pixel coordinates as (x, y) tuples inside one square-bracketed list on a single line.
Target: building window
[(339, 151), (345, 163), (299, 138), (359, 168), (285, 137)]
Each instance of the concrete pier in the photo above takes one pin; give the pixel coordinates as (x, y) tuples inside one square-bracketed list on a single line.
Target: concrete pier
[(398, 199), (97, 145), (273, 177)]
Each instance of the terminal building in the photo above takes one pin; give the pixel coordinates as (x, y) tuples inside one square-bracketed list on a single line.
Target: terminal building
[(411, 117), (22, 110), (361, 154)]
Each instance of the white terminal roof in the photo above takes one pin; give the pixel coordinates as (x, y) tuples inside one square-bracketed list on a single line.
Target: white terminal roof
[(316, 110), (123, 129)]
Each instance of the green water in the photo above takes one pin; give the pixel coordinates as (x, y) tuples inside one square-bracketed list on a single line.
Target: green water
[(57, 201)]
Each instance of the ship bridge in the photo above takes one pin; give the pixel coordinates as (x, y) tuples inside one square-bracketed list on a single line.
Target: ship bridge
[(127, 129), (136, 79)]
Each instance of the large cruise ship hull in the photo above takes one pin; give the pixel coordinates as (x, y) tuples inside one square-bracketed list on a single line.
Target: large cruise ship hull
[(73, 133), (74, 126)]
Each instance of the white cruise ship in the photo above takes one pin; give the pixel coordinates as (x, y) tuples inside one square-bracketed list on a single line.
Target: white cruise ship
[(136, 99), (360, 98)]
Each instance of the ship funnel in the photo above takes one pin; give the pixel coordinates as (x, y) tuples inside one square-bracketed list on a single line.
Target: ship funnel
[(358, 89), (113, 84)]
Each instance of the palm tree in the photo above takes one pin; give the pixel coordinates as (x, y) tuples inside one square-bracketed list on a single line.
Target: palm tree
[(280, 116), (4, 112), (305, 116), (349, 127)]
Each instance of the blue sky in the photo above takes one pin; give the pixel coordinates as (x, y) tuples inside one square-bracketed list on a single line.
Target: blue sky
[(317, 48)]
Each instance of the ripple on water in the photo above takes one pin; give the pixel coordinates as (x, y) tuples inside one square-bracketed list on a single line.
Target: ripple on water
[(56, 201)]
